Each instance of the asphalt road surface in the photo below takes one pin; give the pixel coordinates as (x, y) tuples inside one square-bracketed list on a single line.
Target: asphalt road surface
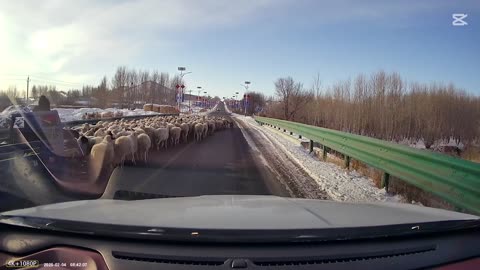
[(220, 164)]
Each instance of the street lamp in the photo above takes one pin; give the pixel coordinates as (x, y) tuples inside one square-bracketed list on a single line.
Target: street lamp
[(199, 90), (246, 85), (182, 73), (205, 98), (189, 100)]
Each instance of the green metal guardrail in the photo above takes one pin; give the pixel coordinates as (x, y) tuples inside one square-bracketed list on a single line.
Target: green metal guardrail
[(455, 180)]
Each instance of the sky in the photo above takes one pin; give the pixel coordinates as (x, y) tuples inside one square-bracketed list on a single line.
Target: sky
[(225, 43)]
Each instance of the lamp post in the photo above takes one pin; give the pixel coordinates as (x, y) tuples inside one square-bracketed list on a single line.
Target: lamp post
[(189, 100), (236, 99), (245, 99), (205, 98), (198, 96), (182, 73)]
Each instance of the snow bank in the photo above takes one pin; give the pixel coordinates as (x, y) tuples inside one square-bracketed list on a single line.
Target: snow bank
[(339, 184), (6, 114), (67, 115)]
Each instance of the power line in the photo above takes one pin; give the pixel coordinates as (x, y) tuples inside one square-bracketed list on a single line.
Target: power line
[(55, 80), (37, 79)]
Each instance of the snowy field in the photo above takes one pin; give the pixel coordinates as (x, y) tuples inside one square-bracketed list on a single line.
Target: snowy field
[(185, 108), (339, 184), (67, 115)]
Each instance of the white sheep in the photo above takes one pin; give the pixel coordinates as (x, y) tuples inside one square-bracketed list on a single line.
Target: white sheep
[(198, 131), (175, 135), (184, 134), (85, 128), (144, 144), (219, 124), (87, 142), (161, 137), (100, 133), (102, 154), (150, 131), (122, 148), (205, 130), (211, 127), (134, 144)]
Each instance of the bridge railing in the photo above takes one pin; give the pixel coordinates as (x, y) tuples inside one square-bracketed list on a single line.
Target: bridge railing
[(454, 180)]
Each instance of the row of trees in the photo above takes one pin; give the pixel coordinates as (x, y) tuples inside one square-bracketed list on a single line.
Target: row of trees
[(256, 103), (383, 106), (141, 86), (127, 88)]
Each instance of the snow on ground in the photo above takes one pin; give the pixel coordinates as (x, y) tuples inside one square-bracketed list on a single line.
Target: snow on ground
[(185, 107), (227, 109), (339, 184), (6, 114), (67, 115)]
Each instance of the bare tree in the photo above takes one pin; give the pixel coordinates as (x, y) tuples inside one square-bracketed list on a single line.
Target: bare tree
[(102, 92), (119, 84), (383, 106), (292, 95)]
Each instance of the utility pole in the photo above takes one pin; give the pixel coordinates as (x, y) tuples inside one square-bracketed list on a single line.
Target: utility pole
[(190, 100), (198, 97), (28, 83)]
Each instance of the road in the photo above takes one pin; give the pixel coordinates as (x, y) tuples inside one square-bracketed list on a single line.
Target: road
[(221, 164)]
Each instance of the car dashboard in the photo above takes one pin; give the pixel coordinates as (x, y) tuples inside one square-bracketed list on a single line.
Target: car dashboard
[(22, 248)]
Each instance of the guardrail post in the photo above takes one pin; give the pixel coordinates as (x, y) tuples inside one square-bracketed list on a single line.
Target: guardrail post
[(385, 180), (299, 136), (284, 130), (311, 146), (291, 133), (324, 154), (346, 162)]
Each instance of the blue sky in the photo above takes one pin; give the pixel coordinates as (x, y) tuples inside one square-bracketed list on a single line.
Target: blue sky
[(225, 42)]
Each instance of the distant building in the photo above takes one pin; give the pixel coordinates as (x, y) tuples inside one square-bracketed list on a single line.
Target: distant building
[(85, 101)]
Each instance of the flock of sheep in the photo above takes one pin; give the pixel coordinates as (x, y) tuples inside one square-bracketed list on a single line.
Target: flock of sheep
[(101, 115), (109, 144)]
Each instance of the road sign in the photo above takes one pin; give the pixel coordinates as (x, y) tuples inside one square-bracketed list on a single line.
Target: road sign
[(183, 86), (177, 86)]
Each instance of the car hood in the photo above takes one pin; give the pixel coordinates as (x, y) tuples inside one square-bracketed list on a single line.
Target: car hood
[(239, 212)]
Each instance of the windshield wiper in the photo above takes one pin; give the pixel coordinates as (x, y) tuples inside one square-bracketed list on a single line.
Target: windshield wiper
[(239, 235)]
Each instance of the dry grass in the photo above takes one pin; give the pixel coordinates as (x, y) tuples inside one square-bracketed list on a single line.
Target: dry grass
[(387, 107), (396, 185), (472, 153), (414, 194), (372, 173)]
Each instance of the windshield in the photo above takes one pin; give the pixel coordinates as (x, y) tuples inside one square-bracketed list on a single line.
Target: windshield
[(269, 115)]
